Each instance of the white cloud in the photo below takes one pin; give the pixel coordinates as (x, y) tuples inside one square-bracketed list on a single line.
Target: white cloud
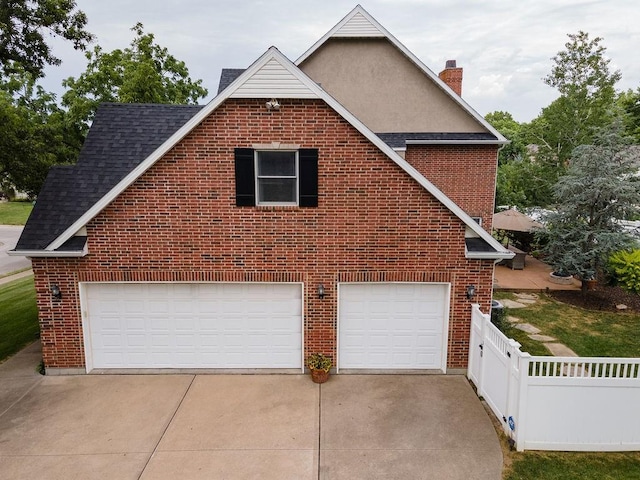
[(504, 47)]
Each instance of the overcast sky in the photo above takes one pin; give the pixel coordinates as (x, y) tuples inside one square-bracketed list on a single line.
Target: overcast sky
[(505, 47)]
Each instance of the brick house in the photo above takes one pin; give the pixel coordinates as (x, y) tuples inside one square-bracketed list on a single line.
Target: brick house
[(308, 207)]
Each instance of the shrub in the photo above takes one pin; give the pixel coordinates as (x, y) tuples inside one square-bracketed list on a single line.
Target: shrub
[(625, 268)]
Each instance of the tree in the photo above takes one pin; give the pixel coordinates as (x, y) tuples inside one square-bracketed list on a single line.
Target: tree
[(586, 103), (512, 130), (142, 73), (23, 24), (36, 134), (629, 104), (600, 187)]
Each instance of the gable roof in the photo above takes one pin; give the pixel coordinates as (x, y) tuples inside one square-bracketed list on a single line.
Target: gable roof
[(227, 76), (121, 137), (360, 24), (261, 80)]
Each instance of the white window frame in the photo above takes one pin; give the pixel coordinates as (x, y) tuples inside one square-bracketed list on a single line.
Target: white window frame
[(259, 201)]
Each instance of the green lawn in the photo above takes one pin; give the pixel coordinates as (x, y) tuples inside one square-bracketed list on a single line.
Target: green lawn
[(590, 334), (569, 466), (14, 213), (586, 332), (18, 316)]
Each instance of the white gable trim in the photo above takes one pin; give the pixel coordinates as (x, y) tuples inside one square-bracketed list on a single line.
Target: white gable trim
[(357, 25), (273, 54), (273, 80), (380, 31)]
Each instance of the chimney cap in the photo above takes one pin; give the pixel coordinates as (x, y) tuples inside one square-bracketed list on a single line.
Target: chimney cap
[(450, 64)]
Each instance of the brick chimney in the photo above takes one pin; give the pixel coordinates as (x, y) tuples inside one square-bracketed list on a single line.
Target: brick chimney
[(452, 76)]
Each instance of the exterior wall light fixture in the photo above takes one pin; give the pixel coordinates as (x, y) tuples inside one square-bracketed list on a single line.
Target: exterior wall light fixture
[(471, 291), (55, 291), (321, 291), (272, 104)]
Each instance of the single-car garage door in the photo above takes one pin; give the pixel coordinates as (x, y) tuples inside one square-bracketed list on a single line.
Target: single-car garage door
[(392, 326), (192, 325)]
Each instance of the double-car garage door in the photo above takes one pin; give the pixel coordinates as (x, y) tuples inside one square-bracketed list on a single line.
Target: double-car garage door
[(193, 325), (259, 325)]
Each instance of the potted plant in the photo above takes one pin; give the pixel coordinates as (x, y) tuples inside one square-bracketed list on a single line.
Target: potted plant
[(319, 366)]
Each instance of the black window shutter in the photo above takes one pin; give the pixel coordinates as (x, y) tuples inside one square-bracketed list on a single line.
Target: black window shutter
[(308, 158), (245, 177)]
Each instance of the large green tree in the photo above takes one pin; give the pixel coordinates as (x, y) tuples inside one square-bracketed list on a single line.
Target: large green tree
[(35, 134), (582, 76), (24, 24), (142, 73), (600, 187)]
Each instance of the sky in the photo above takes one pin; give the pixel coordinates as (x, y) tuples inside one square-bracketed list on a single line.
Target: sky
[(505, 47)]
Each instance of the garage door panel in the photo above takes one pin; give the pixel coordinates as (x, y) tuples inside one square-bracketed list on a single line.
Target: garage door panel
[(392, 326), (195, 325)]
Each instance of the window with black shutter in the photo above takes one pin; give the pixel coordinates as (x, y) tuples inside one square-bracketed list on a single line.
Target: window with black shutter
[(276, 177)]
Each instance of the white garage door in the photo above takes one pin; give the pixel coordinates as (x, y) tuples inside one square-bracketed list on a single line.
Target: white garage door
[(393, 326), (199, 325)]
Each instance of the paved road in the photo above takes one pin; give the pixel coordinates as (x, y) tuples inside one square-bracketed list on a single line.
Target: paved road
[(9, 235)]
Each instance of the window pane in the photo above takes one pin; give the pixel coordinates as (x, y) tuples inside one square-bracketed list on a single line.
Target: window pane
[(273, 164), (280, 190)]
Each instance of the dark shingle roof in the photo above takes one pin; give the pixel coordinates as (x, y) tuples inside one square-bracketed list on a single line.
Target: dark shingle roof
[(121, 137), (227, 76), (398, 140)]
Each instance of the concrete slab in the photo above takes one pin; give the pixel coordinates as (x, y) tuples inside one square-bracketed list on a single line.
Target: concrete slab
[(560, 350), (511, 319), (534, 277), (81, 419), (528, 328), (512, 303), (246, 412), (527, 296), (242, 426), (404, 426), (18, 375), (541, 338), (232, 465), (123, 466)]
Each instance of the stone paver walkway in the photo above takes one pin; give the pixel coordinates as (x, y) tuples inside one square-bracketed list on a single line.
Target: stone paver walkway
[(534, 333)]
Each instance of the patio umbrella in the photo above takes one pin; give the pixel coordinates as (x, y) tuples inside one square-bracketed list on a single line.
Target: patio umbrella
[(515, 221)]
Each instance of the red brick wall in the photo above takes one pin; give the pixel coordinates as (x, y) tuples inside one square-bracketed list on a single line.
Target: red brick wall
[(466, 174), (179, 222)]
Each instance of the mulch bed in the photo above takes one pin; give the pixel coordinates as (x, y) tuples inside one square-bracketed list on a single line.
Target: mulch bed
[(604, 298)]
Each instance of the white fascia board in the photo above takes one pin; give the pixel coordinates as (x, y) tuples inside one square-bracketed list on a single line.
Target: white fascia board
[(46, 253), (489, 255), (162, 150), (443, 86), (457, 142)]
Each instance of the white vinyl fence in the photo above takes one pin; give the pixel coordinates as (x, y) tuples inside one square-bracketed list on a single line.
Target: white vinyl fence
[(555, 403)]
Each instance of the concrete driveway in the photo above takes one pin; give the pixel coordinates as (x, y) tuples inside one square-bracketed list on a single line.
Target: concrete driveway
[(241, 426), (9, 236)]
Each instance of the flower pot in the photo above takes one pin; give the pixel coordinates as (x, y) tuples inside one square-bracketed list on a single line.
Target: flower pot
[(319, 376), (591, 284)]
